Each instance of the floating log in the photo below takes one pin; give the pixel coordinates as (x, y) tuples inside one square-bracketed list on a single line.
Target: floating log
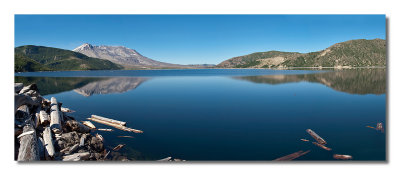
[(103, 129), (379, 127), (126, 136), (124, 128), (165, 159), (118, 147), (44, 118), (292, 156), (322, 146), (370, 127), (304, 140), (55, 115), (76, 157), (28, 149), (89, 124), (109, 120), (319, 139), (342, 157), (48, 142)]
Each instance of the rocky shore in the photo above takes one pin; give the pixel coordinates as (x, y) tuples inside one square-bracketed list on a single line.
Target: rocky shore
[(45, 131)]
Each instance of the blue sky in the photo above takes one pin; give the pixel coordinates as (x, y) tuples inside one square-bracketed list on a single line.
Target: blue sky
[(197, 39)]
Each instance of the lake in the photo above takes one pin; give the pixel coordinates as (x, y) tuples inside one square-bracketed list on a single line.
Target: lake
[(228, 114)]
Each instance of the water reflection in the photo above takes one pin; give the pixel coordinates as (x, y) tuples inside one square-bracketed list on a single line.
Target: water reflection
[(361, 81), (111, 85), (85, 86)]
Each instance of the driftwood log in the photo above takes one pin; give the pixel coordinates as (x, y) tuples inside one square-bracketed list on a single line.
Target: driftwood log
[(44, 118), (124, 128), (74, 125), (55, 115), (41, 147), (77, 157), (319, 139), (28, 149), (22, 99), (109, 120), (48, 142)]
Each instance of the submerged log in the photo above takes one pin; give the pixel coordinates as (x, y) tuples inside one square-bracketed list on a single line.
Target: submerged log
[(44, 118), (55, 115), (322, 146), (109, 120), (304, 140), (76, 157), (118, 147), (319, 139), (104, 129), (292, 156), (48, 141), (379, 127), (126, 136), (124, 128), (28, 149), (342, 157)]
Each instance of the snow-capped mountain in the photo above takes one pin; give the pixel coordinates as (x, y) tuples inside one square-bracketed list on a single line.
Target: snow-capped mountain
[(121, 55)]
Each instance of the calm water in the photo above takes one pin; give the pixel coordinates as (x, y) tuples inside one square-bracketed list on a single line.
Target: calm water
[(229, 114)]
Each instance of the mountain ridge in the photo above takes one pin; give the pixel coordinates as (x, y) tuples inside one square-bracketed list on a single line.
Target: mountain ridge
[(352, 53), (44, 58), (129, 58)]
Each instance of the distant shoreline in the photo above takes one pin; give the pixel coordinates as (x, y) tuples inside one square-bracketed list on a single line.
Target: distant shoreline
[(286, 68)]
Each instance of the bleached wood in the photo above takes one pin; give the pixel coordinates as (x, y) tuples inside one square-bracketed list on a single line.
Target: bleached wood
[(124, 128), (109, 120), (44, 118), (76, 157), (28, 149), (55, 115), (48, 141)]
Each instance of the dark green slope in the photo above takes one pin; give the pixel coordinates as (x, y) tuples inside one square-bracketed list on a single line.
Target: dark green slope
[(353, 53), (39, 58)]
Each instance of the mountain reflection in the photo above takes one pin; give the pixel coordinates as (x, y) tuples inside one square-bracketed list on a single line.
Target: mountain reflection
[(85, 86), (111, 85), (359, 81)]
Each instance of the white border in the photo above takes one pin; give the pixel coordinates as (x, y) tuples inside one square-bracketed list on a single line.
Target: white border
[(8, 9)]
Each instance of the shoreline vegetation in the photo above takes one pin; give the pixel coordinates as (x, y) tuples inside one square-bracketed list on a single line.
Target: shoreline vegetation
[(286, 68)]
